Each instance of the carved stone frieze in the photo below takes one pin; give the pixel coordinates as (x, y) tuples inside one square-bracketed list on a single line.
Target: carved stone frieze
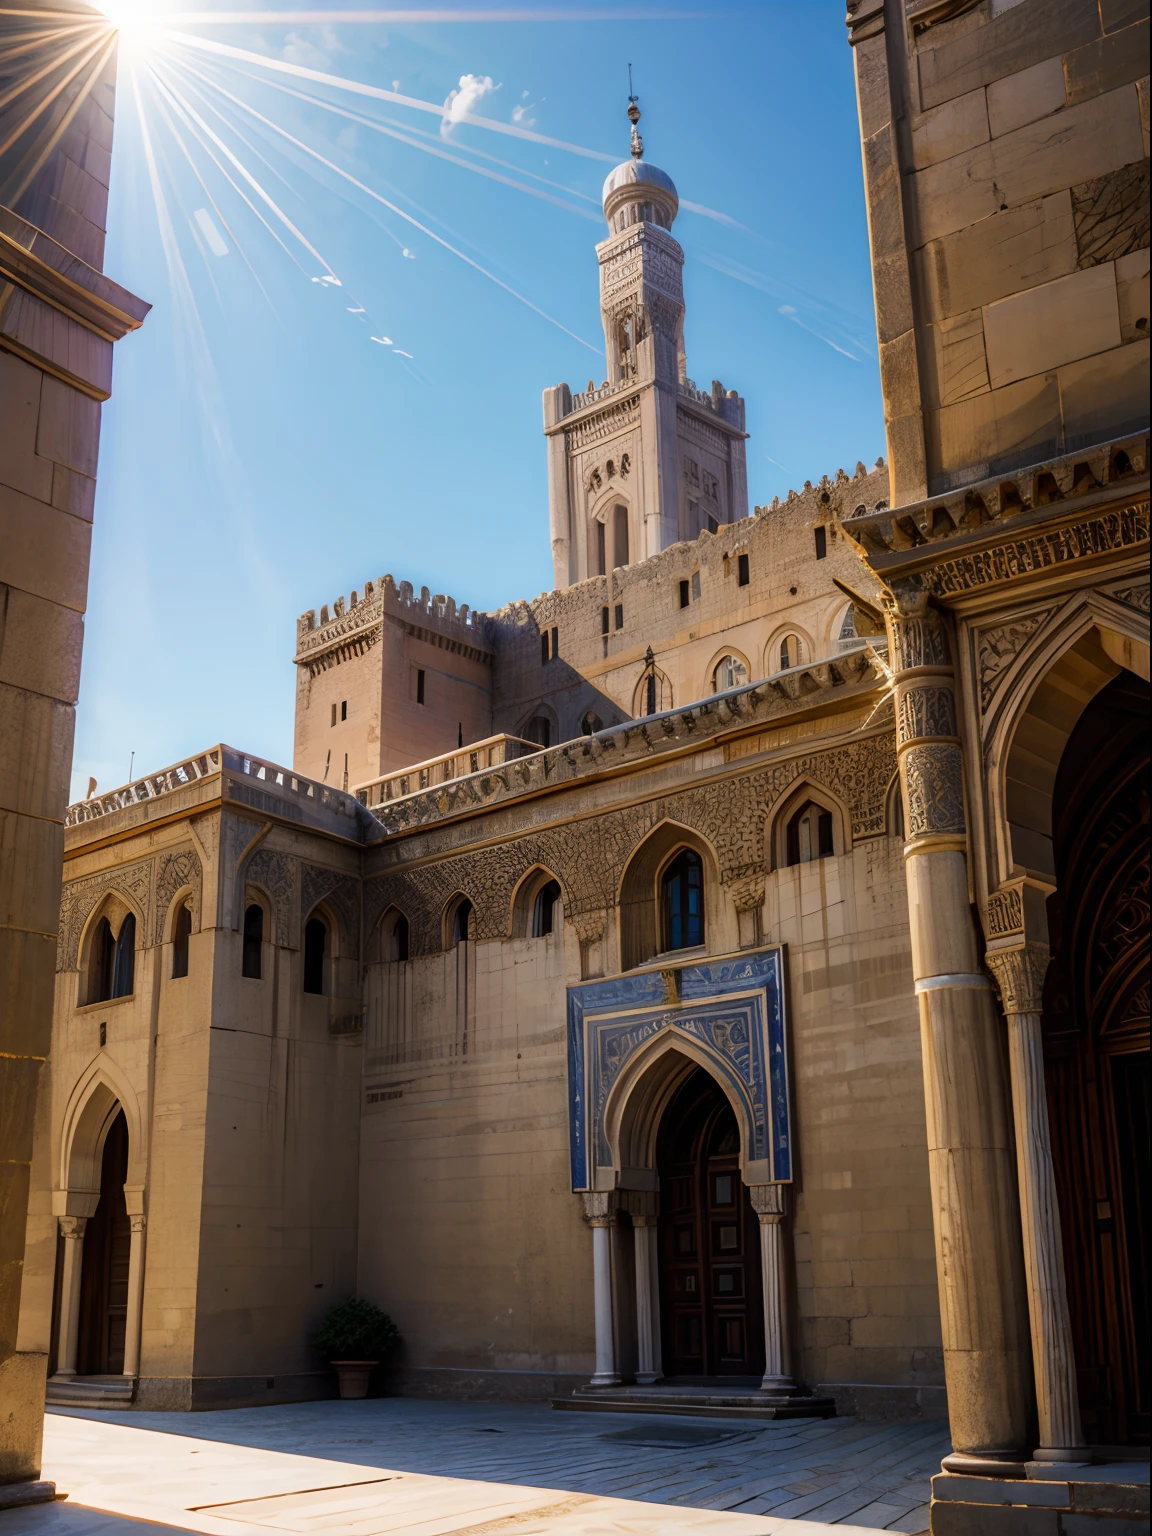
[(588, 856), (276, 874), (1019, 975), (921, 641), (1132, 597), (693, 427), (176, 870), (599, 1207), (998, 647), (1005, 913), (613, 418), (1039, 551), (769, 1201), (934, 788), (340, 892), (927, 712), (747, 895), (79, 899)]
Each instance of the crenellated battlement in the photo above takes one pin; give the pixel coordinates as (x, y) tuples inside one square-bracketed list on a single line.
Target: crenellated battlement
[(339, 623), (827, 486)]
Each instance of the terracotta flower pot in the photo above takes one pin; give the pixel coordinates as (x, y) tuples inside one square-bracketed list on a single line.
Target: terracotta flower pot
[(353, 1376)]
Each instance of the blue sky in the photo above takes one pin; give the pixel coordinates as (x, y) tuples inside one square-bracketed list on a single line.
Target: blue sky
[(263, 454)]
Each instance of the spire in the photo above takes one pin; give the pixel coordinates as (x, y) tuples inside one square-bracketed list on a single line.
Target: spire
[(634, 118)]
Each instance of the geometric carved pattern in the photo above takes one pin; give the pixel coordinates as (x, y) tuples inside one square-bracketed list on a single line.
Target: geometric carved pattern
[(340, 892), (176, 871), (587, 856), (921, 641), (927, 712), (1132, 597), (275, 872), (998, 648), (1122, 529), (1005, 913), (934, 785), (732, 1010), (79, 898)]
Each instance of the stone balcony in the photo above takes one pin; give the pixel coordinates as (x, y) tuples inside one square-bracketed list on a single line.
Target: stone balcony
[(492, 752)]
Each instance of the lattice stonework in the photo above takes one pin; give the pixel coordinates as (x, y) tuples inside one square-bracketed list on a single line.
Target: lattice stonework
[(732, 1012)]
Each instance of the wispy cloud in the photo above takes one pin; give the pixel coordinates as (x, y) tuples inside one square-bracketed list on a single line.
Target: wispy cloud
[(828, 316), (523, 108), (314, 49), (460, 101)]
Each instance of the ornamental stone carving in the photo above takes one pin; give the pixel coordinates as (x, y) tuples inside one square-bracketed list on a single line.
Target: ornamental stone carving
[(1132, 597), (175, 871), (998, 647), (1122, 529), (599, 1207), (769, 1201), (927, 712), (79, 899), (340, 892), (1020, 976), (934, 789), (1005, 913), (276, 874), (921, 641)]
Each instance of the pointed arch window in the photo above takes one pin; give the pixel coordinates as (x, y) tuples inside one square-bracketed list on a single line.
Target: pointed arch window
[(315, 954), (124, 958), (809, 835), (619, 536), (251, 960), (544, 910), (102, 953), (791, 652), (396, 939), (682, 901), (462, 922), (181, 933), (730, 672)]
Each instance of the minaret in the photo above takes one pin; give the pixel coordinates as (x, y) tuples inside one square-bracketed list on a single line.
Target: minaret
[(644, 459)]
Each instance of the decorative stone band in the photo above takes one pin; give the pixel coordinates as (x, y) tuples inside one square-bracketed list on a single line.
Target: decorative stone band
[(1005, 912), (599, 1208), (1020, 973), (928, 712), (960, 980), (933, 789), (769, 1201), (921, 641)]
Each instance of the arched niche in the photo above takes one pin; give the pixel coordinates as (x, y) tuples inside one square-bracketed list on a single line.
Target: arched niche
[(108, 949), (100, 1094), (791, 805), (320, 951), (640, 896), (1068, 662), (458, 924), (800, 650), (728, 669), (255, 931), (391, 941), (531, 897)]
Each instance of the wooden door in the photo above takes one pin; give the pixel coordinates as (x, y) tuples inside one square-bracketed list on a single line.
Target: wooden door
[(710, 1286), (1096, 1054), (104, 1273)]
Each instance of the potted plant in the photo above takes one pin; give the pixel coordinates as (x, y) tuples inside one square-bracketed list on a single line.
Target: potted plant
[(356, 1336)]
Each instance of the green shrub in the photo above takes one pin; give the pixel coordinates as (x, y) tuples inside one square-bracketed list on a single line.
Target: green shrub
[(356, 1330)]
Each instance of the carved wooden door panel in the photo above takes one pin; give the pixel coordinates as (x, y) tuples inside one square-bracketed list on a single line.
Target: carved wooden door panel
[(711, 1295), (104, 1274), (1096, 1012)]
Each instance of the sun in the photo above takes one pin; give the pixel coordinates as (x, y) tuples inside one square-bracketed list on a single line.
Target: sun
[(134, 20)]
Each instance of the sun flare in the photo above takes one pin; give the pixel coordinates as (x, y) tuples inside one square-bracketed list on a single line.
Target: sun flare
[(134, 20)]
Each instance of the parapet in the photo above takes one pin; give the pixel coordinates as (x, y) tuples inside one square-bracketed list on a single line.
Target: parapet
[(829, 489), (340, 624)]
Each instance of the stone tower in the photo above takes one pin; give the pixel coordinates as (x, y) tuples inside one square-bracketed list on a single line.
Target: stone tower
[(647, 458)]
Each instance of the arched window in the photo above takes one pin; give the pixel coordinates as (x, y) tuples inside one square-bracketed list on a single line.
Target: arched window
[(101, 953), (462, 922), (395, 945), (250, 964), (539, 730), (730, 672), (619, 536), (653, 692), (809, 834), (601, 548), (682, 901), (181, 933), (847, 636), (315, 954), (590, 724), (124, 958), (544, 909), (791, 652)]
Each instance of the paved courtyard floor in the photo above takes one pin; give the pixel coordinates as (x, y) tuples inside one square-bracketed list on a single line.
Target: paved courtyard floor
[(397, 1465)]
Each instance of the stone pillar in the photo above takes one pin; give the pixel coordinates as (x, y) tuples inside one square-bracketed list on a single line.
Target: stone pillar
[(599, 1213), (135, 1298), (72, 1231), (970, 1155), (1019, 972), (769, 1201), (647, 1299)]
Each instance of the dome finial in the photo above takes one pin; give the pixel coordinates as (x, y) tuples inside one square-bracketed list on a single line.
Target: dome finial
[(634, 118)]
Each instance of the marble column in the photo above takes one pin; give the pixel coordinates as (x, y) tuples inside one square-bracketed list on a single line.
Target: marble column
[(1020, 971), (647, 1300), (769, 1201), (600, 1214), (135, 1298), (975, 1212), (72, 1261)]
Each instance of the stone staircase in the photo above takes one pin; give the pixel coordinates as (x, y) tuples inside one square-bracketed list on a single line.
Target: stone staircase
[(90, 1391), (709, 1398)]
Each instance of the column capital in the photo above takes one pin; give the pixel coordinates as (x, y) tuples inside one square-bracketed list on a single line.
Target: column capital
[(919, 632), (137, 1223), (769, 1201), (72, 1226), (599, 1207), (643, 1205), (1019, 973)]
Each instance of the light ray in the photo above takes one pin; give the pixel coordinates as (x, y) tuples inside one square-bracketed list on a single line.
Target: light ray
[(39, 108), (438, 16), (62, 127), (407, 217)]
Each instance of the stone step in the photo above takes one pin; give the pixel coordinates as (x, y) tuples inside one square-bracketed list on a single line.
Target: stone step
[(90, 1391), (699, 1402)]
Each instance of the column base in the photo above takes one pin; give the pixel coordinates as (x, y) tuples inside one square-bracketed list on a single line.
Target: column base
[(779, 1386), (17, 1495), (1068, 1455), (986, 1464), (647, 1378), (605, 1379)]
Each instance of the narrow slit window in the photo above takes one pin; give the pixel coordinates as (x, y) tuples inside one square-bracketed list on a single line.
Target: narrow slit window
[(619, 615), (333, 714), (742, 570), (555, 641), (181, 933), (619, 536), (601, 551), (543, 647), (821, 543), (250, 963), (685, 594), (419, 685), (315, 955), (344, 709), (604, 621)]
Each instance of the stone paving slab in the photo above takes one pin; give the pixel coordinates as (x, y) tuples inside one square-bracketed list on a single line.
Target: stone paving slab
[(443, 1469)]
